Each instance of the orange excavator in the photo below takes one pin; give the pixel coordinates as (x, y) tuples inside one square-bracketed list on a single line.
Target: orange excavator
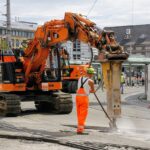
[(70, 76), (25, 78)]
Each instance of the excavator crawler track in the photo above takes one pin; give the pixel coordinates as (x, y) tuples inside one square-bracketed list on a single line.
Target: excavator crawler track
[(62, 103), (58, 103), (9, 105)]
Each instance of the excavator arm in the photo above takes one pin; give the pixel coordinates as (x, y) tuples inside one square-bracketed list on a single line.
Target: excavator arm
[(72, 27)]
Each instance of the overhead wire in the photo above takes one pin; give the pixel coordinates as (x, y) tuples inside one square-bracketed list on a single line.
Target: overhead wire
[(89, 46), (91, 8), (2, 4), (99, 102), (132, 13), (132, 23)]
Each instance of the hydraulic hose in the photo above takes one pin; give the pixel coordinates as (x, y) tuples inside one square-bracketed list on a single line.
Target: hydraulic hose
[(103, 108), (91, 57)]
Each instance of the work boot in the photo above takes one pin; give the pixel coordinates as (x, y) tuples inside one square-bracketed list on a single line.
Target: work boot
[(82, 133), (80, 128)]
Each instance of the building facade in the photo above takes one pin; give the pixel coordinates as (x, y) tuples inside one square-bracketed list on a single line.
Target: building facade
[(20, 31), (79, 51), (135, 39)]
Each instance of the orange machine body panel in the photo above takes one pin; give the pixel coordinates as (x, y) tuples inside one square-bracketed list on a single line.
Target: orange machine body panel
[(7, 56), (77, 72), (48, 86), (6, 87), (9, 59)]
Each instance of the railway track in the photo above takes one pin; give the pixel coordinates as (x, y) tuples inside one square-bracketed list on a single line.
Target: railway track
[(44, 136), (78, 145)]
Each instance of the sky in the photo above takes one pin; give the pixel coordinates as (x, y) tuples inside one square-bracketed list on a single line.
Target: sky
[(104, 13)]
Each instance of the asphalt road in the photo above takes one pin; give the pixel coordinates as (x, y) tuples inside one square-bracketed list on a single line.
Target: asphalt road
[(133, 126)]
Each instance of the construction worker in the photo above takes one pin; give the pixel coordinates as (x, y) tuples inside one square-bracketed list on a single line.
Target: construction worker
[(85, 87), (122, 79), (99, 78)]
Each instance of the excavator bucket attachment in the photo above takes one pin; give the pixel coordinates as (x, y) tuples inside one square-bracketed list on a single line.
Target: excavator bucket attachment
[(113, 56), (122, 56)]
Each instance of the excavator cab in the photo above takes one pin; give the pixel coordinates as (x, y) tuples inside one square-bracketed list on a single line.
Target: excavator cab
[(11, 72), (14, 89)]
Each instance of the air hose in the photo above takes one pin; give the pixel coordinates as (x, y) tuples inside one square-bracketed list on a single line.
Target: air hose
[(102, 107), (112, 121), (91, 57)]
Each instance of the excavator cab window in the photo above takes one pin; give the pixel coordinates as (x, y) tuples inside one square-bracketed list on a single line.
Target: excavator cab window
[(64, 62), (52, 70)]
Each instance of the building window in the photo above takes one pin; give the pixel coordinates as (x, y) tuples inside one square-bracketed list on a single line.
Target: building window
[(138, 48), (133, 52), (13, 43), (20, 34), (78, 42), (74, 57), (3, 32), (147, 47), (13, 32), (77, 50), (143, 53), (26, 34), (128, 31), (0, 31), (129, 48), (76, 45), (17, 33), (78, 56), (17, 43), (30, 35)]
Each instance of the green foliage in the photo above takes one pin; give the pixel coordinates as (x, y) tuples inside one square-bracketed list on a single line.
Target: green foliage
[(3, 44)]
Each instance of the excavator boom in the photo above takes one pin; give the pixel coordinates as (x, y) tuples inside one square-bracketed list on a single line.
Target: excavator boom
[(72, 27)]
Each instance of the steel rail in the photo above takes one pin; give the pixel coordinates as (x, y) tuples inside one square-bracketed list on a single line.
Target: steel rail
[(42, 137)]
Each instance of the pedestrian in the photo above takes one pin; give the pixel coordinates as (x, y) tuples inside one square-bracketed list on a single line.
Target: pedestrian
[(99, 78), (122, 82), (85, 87), (143, 78)]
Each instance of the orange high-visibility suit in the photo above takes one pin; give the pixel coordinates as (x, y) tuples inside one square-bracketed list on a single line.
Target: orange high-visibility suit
[(82, 103)]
